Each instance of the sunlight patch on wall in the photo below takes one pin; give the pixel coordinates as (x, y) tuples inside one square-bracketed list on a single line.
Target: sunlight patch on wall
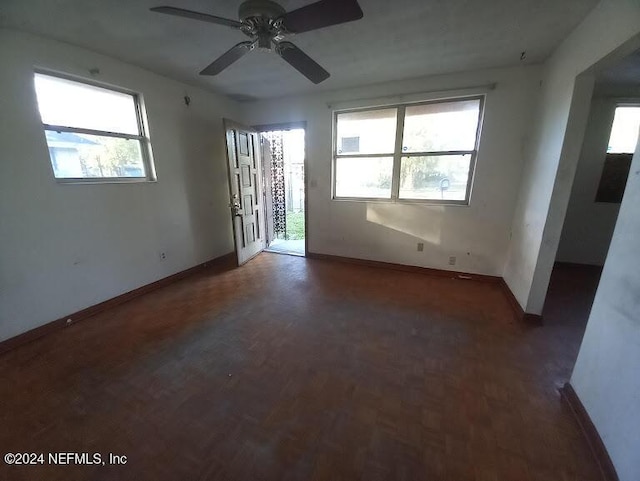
[(421, 221)]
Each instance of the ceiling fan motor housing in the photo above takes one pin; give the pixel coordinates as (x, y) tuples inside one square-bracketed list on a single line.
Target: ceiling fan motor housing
[(260, 20)]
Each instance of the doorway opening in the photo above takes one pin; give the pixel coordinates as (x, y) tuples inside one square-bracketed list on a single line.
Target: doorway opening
[(610, 140), (285, 189)]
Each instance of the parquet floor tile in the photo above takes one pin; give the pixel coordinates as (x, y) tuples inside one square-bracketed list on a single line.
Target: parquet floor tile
[(297, 369)]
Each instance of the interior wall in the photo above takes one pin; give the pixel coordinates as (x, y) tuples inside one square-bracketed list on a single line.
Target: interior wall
[(588, 226), (605, 376), (64, 247), (552, 159), (477, 235)]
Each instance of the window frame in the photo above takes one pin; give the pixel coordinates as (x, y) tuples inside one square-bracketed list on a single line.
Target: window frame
[(142, 137), (398, 154)]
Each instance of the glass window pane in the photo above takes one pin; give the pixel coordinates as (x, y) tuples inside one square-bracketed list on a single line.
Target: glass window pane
[(441, 177), (441, 126), (74, 104), (92, 156), (369, 132), (624, 133), (368, 177)]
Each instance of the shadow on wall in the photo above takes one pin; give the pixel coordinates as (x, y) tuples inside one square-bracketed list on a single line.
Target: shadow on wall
[(206, 186)]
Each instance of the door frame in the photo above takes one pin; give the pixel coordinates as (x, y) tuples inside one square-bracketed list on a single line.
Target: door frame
[(291, 126), (229, 124)]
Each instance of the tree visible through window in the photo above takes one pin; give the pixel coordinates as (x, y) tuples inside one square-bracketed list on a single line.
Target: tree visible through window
[(92, 132), (408, 152)]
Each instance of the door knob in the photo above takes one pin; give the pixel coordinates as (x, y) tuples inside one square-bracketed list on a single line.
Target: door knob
[(236, 208)]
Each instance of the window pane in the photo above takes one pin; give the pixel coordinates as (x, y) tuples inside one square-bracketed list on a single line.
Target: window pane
[(92, 156), (370, 132), (441, 126), (75, 104), (441, 177), (368, 177), (624, 133)]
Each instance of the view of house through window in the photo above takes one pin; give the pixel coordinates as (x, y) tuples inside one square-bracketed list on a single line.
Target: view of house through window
[(430, 158), (92, 132)]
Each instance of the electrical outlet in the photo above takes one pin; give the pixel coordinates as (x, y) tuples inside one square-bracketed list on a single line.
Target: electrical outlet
[(420, 246), (452, 260), (163, 256)]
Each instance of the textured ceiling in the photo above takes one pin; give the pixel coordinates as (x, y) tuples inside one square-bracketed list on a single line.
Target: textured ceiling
[(395, 40)]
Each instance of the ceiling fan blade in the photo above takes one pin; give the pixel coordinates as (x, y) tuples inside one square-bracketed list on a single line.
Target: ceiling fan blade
[(227, 58), (321, 14), (302, 62), (180, 12)]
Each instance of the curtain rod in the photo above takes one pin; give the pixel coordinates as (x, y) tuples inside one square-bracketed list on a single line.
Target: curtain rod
[(401, 96)]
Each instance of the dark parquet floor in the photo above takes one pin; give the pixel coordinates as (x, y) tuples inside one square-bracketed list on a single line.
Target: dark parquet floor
[(297, 369)]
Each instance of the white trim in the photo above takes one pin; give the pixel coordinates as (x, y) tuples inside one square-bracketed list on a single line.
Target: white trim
[(97, 133), (142, 137), (409, 98), (398, 154)]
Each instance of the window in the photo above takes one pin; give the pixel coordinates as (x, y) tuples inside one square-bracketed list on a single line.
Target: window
[(415, 152), (620, 150), (93, 133), (624, 132)]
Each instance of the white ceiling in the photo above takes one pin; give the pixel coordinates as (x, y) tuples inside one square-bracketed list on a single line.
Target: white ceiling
[(396, 39), (624, 73)]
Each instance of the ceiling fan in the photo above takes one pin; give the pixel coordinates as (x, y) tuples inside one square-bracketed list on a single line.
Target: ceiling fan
[(267, 24)]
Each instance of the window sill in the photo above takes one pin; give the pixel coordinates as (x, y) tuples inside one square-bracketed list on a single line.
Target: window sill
[(118, 180), (457, 203)]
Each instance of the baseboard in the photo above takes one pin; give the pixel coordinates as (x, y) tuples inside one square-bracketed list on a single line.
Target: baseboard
[(577, 265), (226, 260), (533, 319), (407, 268), (590, 432)]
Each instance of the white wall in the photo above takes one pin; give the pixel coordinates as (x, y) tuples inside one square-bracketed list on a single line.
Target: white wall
[(588, 225), (552, 159), (66, 247), (477, 235), (607, 373)]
